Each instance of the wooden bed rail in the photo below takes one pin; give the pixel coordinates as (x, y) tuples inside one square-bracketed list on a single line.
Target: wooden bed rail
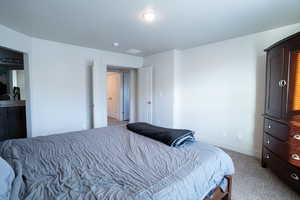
[(219, 194)]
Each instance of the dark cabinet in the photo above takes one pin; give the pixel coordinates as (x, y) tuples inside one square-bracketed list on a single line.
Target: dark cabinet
[(11, 59), (16, 118), (275, 83), (3, 124), (281, 132), (12, 122)]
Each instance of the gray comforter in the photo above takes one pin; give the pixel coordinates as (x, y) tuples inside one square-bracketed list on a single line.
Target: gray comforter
[(114, 164)]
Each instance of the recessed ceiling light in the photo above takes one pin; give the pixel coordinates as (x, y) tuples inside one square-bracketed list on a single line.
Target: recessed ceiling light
[(149, 16), (115, 44)]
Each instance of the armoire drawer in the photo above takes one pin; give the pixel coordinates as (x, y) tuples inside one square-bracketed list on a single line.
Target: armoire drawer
[(288, 172), (276, 129), (294, 136), (284, 150)]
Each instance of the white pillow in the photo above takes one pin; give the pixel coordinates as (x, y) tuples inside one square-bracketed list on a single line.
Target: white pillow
[(7, 177)]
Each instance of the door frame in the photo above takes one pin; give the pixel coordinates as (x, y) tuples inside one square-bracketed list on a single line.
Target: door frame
[(132, 89), (124, 79)]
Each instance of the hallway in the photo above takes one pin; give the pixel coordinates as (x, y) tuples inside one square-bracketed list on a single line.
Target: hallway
[(114, 122)]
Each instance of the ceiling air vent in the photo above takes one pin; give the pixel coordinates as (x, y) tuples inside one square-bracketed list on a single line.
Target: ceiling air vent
[(133, 51)]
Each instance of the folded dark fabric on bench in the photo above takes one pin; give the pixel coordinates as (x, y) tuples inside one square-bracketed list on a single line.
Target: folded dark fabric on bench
[(171, 137)]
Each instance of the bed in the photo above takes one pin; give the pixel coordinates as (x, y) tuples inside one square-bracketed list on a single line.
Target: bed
[(114, 163)]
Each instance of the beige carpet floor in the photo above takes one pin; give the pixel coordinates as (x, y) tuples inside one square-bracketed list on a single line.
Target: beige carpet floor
[(252, 182), (114, 122)]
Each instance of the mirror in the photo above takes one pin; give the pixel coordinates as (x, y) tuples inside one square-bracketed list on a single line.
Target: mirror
[(12, 85)]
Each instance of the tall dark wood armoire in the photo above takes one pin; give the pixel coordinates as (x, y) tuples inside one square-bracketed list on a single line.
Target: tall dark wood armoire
[(281, 137)]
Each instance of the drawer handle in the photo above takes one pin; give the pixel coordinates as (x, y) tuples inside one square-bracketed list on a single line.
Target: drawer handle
[(267, 156), (295, 176), (295, 156), (296, 137)]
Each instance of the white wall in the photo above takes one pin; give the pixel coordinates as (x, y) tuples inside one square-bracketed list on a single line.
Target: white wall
[(59, 86), (121, 60), (57, 73), (14, 40), (163, 87), (219, 90)]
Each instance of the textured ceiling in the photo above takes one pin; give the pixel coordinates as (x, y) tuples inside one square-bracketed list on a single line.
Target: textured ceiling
[(180, 24)]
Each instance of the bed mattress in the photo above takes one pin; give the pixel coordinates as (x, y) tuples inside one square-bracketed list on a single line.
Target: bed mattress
[(112, 163)]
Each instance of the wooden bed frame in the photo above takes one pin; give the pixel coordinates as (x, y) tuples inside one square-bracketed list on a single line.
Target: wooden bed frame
[(219, 195)]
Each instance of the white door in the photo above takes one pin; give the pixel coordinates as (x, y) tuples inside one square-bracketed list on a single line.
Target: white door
[(145, 94)]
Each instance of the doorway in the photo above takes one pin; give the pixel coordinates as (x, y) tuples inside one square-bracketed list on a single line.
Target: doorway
[(120, 96)]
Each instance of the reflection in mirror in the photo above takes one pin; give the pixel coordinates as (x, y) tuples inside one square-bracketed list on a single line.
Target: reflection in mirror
[(12, 84)]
